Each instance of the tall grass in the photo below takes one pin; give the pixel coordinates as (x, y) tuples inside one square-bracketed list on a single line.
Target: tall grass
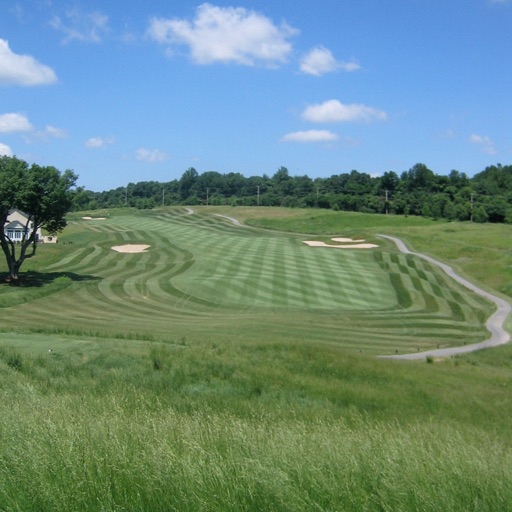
[(205, 430), (213, 461)]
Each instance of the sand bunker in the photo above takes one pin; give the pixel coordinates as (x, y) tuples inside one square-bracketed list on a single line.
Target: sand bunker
[(344, 240), (346, 243), (130, 248), (93, 218)]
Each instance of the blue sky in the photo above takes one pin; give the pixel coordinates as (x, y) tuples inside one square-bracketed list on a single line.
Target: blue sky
[(132, 91)]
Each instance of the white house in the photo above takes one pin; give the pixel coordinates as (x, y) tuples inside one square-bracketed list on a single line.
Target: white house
[(16, 227)]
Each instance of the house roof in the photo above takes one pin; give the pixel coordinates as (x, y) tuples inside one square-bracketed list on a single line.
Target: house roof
[(16, 224), (14, 210), (20, 221)]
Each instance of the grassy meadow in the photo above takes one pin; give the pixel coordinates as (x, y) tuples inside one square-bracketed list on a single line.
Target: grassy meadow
[(234, 368)]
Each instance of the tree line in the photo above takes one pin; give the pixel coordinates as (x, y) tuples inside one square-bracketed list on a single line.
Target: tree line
[(486, 197)]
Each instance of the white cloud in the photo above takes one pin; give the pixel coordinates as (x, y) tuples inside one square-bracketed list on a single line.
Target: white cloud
[(153, 155), (5, 150), (52, 131), (22, 69), (226, 34), (333, 111), (310, 136), (14, 123), (98, 142), (485, 143), (320, 61), (83, 27), (49, 132)]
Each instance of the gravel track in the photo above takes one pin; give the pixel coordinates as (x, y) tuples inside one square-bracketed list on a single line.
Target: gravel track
[(494, 324)]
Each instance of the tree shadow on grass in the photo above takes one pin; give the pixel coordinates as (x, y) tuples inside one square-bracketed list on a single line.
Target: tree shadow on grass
[(34, 279), (38, 285)]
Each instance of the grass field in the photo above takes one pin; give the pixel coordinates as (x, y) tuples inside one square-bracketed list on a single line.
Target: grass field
[(232, 368), (205, 278)]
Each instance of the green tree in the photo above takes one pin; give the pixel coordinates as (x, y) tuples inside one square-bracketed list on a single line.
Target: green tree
[(43, 194), (479, 214), (419, 177), (187, 182), (426, 211), (389, 181), (84, 200), (281, 175), (449, 211)]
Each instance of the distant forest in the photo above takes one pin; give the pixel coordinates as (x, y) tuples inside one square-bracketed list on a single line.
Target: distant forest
[(486, 197)]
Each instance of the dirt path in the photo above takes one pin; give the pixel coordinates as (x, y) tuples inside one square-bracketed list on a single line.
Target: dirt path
[(494, 324), (231, 219), (234, 221)]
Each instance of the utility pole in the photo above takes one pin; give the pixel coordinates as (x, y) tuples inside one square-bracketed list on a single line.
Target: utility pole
[(163, 197), (472, 203), (258, 195), (387, 211), (207, 195)]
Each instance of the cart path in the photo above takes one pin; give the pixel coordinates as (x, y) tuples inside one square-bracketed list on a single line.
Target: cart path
[(494, 324), (234, 221)]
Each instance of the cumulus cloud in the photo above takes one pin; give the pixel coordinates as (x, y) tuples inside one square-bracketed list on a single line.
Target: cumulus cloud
[(320, 61), (14, 123), (99, 142), (310, 136), (485, 143), (22, 69), (5, 150), (82, 27), (333, 111), (151, 155), (226, 34)]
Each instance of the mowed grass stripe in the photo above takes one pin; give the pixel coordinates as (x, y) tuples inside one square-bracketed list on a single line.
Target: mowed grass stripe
[(444, 287), (204, 272), (305, 267), (401, 268), (279, 278), (359, 287), (440, 293), (92, 264), (259, 284), (118, 283), (220, 278), (298, 294), (251, 285), (76, 255), (105, 258), (351, 282), (279, 283), (328, 275)]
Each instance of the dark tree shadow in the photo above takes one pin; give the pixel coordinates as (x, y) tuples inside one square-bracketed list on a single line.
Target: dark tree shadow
[(34, 279)]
